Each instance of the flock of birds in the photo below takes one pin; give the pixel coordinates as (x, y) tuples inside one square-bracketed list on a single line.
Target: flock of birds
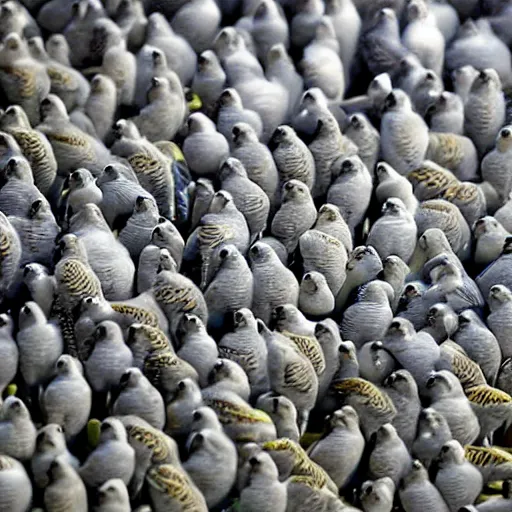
[(256, 255)]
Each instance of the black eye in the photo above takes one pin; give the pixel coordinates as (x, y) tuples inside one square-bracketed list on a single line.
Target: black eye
[(445, 449), (197, 416), (224, 253), (181, 385), (60, 364)]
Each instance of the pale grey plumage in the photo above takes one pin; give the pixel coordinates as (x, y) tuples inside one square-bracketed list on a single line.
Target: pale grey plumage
[(342, 441), (274, 283), (485, 110), (447, 398), (351, 189), (39, 343), (257, 160), (417, 488), (246, 347), (373, 303), (389, 456), (17, 432), (50, 444), (248, 197), (109, 359), (457, 479), (139, 397), (66, 491), (197, 347), (404, 134), (315, 296), (325, 254), (112, 458), (67, 399)]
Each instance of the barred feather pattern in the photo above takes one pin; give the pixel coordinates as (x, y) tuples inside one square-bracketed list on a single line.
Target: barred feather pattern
[(172, 482)]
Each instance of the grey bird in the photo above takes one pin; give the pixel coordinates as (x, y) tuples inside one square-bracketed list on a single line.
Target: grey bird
[(256, 159), (433, 433), (325, 254), (490, 238), (39, 344), (363, 266), (416, 352), (231, 111), (330, 222), (404, 134), (24, 80), (495, 164), (442, 322), (500, 303), (113, 457), (165, 111), (224, 223), (209, 79), (290, 373), (137, 233), (315, 296), (209, 449), (204, 148), (246, 347), (151, 167), (389, 456), (179, 409), (350, 175), (249, 197), (180, 56), (263, 492), (365, 136), (479, 343), (34, 146), (395, 219), (72, 147), (101, 104), (283, 413), (65, 491), (381, 47), (416, 488), (342, 436), (375, 362), (116, 277), (403, 390), (327, 146), (446, 114), (113, 496), (230, 287), (50, 444), (373, 302), (485, 110), (377, 495), (391, 184), (9, 352), (439, 213), (457, 479), (447, 398), (119, 193), (138, 396), (17, 432), (67, 399), (15, 485), (274, 283), (292, 157), (196, 346), (495, 273), (109, 359)]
